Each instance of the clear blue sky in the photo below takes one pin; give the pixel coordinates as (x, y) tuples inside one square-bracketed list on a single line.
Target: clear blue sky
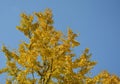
[(98, 22)]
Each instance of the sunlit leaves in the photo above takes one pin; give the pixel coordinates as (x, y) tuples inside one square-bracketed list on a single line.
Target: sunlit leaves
[(47, 57)]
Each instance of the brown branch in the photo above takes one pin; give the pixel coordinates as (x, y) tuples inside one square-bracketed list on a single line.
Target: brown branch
[(33, 74), (50, 72), (40, 73)]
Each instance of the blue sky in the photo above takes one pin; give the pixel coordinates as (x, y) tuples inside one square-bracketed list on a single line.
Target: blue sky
[(97, 21)]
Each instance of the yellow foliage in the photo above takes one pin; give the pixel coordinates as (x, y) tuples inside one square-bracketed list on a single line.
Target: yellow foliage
[(48, 56)]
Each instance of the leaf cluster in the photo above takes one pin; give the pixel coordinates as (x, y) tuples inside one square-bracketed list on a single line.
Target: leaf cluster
[(48, 56)]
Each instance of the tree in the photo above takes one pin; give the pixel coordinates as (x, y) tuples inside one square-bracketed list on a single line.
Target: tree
[(48, 56)]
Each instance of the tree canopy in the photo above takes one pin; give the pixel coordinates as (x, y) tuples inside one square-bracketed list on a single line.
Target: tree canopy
[(47, 57)]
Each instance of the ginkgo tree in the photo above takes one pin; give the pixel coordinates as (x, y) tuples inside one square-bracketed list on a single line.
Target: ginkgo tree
[(47, 57)]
